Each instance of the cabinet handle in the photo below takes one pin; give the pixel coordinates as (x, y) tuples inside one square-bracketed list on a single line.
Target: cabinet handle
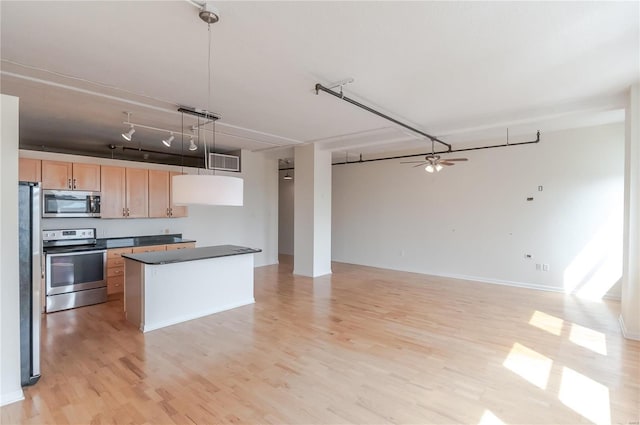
[(124, 212), (170, 212), (69, 184), (74, 183), (128, 212)]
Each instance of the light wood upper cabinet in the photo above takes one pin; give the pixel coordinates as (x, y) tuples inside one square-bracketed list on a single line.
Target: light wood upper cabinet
[(70, 176), (137, 192), (29, 170), (175, 210), (160, 196), (86, 177), (56, 175), (124, 192), (159, 185), (112, 202)]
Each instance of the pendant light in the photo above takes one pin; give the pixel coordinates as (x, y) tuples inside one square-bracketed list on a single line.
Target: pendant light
[(206, 189)]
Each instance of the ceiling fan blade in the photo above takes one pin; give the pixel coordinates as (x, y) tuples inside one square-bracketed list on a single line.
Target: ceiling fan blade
[(419, 165), (446, 163), (456, 159), (411, 162)]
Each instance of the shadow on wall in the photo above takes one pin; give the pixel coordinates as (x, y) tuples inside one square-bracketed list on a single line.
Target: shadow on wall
[(598, 267)]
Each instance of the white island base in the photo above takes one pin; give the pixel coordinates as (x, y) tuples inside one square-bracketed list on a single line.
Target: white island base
[(166, 293)]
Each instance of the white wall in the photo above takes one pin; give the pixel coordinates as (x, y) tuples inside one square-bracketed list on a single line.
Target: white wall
[(254, 224), (630, 317), (285, 213), (10, 389), (472, 220)]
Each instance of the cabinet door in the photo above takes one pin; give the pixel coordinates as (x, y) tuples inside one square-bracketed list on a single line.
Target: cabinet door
[(176, 210), (56, 175), (158, 193), (137, 193), (29, 170), (112, 202), (86, 177)]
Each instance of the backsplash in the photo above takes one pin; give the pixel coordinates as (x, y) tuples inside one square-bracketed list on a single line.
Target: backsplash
[(114, 228)]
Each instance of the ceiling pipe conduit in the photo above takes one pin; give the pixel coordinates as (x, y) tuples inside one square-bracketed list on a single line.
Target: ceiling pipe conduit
[(504, 145), (319, 87)]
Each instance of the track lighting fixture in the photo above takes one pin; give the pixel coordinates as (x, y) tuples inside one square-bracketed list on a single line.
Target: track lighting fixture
[(192, 145), (127, 136), (167, 142)]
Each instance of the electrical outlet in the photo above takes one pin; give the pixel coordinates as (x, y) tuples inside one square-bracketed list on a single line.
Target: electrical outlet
[(545, 267), (402, 252), (540, 188), (538, 266)]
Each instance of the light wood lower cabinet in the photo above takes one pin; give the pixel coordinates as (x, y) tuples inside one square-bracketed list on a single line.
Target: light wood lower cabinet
[(181, 245), (115, 270), (150, 248)]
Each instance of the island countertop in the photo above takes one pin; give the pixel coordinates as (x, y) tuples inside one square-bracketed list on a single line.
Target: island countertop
[(190, 254)]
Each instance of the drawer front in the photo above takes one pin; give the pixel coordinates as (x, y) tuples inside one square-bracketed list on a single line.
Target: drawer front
[(181, 245), (115, 262), (150, 248), (115, 285), (116, 253), (115, 272)]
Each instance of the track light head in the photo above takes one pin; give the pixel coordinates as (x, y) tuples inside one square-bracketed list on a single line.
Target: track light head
[(127, 136), (192, 145), (167, 142)]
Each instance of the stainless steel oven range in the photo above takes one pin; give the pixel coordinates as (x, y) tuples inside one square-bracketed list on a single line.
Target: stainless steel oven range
[(75, 269)]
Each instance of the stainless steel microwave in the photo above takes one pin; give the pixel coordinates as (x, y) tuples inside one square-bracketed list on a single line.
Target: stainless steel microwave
[(70, 203)]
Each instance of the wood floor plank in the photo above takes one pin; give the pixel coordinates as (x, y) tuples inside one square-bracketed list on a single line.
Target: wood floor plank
[(363, 345)]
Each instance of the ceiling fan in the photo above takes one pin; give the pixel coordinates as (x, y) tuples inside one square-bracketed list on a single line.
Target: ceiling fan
[(433, 162)]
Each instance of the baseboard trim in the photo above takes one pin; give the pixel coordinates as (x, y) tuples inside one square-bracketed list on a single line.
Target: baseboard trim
[(11, 397), (153, 326), (524, 285), (625, 332)]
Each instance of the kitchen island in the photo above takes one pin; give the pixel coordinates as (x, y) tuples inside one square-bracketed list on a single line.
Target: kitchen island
[(167, 287)]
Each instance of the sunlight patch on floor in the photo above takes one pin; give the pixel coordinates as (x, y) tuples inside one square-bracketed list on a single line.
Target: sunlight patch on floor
[(588, 338), (585, 396), (529, 364), (488, 418), (547, 322)]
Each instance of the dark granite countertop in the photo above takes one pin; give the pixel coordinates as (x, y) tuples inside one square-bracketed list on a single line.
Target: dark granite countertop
[(124, 242), (193, 254)]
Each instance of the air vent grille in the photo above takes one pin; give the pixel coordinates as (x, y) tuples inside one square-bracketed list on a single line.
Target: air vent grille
[(218, 161)]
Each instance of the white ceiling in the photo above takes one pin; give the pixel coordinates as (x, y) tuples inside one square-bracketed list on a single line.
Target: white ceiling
[(464, 71)]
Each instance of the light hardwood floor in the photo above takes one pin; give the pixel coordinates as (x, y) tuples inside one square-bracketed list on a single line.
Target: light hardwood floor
[(364, 345)]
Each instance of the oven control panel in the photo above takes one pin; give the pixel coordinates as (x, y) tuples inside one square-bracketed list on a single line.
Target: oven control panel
[(68, 234)]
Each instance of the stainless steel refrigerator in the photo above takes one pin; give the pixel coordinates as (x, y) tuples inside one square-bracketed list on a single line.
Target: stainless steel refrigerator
[(30, 253)]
